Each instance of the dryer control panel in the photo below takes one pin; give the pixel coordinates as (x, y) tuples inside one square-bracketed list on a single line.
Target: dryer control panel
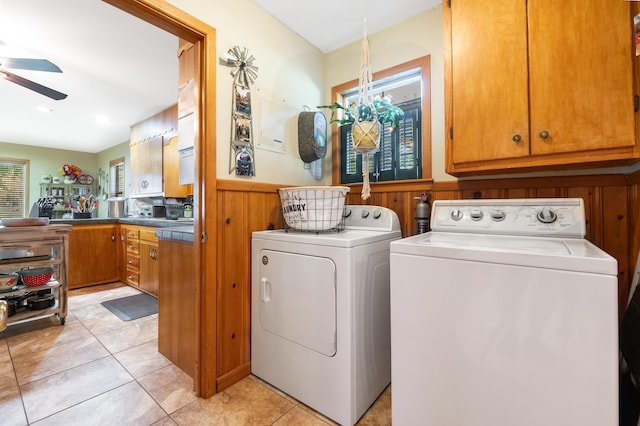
[(373, 218), (555, 217)]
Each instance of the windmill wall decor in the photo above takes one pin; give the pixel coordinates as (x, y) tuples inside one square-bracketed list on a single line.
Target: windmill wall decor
[(241, 153)]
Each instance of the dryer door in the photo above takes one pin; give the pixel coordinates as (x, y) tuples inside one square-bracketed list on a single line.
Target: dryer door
[(297, 299)]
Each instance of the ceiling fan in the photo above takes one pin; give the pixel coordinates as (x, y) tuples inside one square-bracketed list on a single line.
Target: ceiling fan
[(32, 65)]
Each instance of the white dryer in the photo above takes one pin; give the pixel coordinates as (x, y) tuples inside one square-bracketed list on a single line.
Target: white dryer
[(320, 328), (504, 315)]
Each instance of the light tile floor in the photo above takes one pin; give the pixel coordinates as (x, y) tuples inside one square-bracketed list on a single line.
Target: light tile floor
[(100, 370)]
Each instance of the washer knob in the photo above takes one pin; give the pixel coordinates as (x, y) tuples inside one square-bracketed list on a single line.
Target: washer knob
[(456, 214), (346, 213), (546, 215), (377, 213), (365, 214), (498, 215), (476, 215)]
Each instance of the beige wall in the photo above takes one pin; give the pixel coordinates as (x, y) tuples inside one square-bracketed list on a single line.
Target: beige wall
[(411, 39), (289, 76)]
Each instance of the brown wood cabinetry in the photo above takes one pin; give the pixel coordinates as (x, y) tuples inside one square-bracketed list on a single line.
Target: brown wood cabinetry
[(534, 85), (148, 279), (140, 257), (171, 172), (131, 236), (92, 255), (154, 157), (177, 305), (148, 139)]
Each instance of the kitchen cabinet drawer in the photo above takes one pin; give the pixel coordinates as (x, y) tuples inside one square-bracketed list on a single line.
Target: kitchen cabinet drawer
[(133, 277), (133, 234), (133, 247), (133, 262)]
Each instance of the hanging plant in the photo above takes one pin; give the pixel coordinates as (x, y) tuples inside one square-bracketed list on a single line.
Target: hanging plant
[(387, 113), (366, 116)]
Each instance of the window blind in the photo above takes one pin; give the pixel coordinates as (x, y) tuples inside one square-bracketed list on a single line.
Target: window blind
[(13, 190)]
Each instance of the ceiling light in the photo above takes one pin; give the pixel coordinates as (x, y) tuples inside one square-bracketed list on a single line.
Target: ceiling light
[(102, 119)]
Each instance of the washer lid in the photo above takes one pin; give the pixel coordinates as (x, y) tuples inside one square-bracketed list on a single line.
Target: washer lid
[(569, 254)]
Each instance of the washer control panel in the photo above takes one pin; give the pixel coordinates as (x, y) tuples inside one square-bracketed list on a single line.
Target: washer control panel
[(370, 217), (562, 217)]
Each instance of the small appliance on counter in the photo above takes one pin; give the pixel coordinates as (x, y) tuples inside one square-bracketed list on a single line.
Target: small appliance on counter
[(117, 207), (174, 211), (158, 209)]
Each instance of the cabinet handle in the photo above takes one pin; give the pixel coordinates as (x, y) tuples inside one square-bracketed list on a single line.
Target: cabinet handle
[(544, 134), (113, 238), (516, 138)]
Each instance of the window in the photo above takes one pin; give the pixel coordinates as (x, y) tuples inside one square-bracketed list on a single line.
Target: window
[(116, 178), (402, 150), (13, 188), (399, 156)]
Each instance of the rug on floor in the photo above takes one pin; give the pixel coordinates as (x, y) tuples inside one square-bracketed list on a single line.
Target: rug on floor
[(132, 307)]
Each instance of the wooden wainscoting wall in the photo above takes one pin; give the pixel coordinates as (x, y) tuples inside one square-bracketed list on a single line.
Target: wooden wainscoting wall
[(608, 200), (243, 207), (611, 204)]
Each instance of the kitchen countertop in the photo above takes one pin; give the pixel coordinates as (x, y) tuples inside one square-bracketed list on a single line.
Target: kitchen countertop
[(179, 233), (142, 221)]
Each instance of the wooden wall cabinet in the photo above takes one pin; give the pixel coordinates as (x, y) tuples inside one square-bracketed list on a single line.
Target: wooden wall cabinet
[(171, 172), (537, 85), (146, 150), (92, 255)]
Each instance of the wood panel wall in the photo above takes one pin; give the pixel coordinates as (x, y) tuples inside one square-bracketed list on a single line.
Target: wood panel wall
[(242, 209), (611, 204)]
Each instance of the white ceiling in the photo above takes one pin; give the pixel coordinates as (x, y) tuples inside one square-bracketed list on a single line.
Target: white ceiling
[(113, 64), (125, 69), (332, 24)]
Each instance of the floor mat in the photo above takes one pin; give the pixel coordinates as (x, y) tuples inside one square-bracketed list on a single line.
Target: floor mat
[(132, 307)]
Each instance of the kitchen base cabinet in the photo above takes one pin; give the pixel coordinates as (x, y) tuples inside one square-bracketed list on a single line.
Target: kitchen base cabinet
[(177, 305), (141, 252), (148, 279), (92, 255)]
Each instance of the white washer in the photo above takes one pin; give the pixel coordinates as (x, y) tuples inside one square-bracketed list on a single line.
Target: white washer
[(320, 312), (504, 315)]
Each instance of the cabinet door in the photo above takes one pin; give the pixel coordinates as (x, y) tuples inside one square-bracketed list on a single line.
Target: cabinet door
[(92, 255), (489, 80), (146, 166), (149, 267), (171, 172), (580, 76)]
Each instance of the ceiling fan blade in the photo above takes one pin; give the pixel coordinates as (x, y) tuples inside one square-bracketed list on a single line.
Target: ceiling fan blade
[(32, 85), (29, 64)]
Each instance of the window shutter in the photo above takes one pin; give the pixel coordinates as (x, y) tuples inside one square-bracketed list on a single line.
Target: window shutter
[(13, 176), (409, 144)]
